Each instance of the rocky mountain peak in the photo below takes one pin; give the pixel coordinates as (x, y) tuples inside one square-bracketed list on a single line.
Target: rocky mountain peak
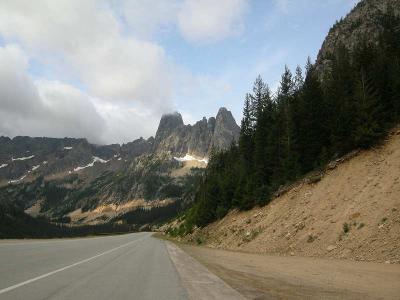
[(362, 23), (172, 120), (226, 130), (198, 139), (224, 116)]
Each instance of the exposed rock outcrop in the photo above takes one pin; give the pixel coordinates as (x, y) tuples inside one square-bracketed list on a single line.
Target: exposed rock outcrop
[(198, 139), (364, 22)]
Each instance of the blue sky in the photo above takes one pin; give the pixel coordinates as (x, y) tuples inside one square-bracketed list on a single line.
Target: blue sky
[(273, 36), (107, 69)]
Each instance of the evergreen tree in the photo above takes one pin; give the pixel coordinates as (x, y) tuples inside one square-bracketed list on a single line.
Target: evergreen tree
[(287, 158), (246, 133), (310, 120)]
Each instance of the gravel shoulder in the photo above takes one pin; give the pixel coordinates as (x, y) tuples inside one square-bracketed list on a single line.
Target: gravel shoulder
[(261, 276)]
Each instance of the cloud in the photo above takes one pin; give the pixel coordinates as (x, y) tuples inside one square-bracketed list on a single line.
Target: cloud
[(85, 40), (208, 21), (145, 18), (18, 94), (87, 36), (92, 69), (124, 121), (42, 108)]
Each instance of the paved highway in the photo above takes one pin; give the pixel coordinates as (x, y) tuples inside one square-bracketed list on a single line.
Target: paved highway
[(132, 266)]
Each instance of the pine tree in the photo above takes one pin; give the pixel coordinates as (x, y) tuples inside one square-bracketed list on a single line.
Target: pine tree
[(287, 157), (298, 79), (369, 121), (264, 146), (339, 87), (246, 133), (310, 119)]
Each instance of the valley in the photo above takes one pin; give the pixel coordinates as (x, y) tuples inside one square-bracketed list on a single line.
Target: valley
[(73, 182)]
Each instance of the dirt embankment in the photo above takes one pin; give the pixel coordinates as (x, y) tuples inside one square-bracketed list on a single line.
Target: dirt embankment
[(352, 212)]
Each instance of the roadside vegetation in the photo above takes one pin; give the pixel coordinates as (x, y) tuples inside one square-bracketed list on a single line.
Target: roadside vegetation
[(351, 104)]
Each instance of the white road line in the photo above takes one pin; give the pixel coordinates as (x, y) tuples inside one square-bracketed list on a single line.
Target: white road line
[(13, 287)]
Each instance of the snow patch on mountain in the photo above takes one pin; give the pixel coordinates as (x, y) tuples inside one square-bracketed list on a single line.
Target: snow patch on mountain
[(189, 157), (35, 167), (17, 180), (3, 165), (23, 158), (95, 159), (67, 148)]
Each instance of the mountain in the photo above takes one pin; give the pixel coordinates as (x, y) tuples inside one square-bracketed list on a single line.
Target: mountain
[(70, 180), (198, 139), (364, 23)]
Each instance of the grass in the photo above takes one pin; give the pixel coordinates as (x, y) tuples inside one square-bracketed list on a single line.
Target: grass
[(311, 238), (346, 227), (361, 225)]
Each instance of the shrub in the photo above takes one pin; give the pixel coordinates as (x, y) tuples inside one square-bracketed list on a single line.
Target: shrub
[(346, 227)]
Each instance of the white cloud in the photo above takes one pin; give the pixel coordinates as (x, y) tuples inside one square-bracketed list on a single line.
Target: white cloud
[(42, 108), (145, 18), (123, 121), (120, 81), (210, 21), (18, 94), (85, 38)]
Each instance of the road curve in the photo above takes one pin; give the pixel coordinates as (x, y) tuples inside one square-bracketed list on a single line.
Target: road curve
[(131, 266)]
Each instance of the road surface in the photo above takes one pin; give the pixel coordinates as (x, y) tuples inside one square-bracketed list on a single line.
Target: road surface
[(130, 266)]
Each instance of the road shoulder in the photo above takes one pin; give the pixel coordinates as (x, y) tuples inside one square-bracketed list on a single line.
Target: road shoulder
[(260, 276), (199, 282)]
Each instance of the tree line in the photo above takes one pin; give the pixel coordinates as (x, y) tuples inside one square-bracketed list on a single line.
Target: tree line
[(315, 116)]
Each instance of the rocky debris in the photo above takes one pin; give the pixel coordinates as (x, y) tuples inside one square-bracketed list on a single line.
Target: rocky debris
[(331, 248), (283, 189), (313, 178), (299, 226), (332, 165)]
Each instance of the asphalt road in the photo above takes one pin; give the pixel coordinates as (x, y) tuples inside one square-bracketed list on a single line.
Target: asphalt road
[(131, 266)]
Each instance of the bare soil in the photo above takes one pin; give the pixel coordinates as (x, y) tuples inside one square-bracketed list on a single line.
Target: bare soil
[(351, 211), (260, 276)]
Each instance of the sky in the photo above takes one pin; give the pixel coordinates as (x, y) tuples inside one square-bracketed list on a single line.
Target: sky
[(107, 70)]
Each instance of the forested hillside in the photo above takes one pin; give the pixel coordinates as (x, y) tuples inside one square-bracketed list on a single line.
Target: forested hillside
[(310, 120)]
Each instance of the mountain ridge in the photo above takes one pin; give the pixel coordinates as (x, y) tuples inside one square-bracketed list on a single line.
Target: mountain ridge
[(73, 181)]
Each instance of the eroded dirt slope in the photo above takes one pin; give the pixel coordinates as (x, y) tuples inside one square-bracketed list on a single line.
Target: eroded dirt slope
[(353, 212)]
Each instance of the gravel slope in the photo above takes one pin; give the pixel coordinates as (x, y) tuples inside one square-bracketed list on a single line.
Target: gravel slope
[(353, 212)]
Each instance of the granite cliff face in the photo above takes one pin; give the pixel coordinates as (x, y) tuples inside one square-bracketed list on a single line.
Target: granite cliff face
[(364, 22), (198, 139)]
